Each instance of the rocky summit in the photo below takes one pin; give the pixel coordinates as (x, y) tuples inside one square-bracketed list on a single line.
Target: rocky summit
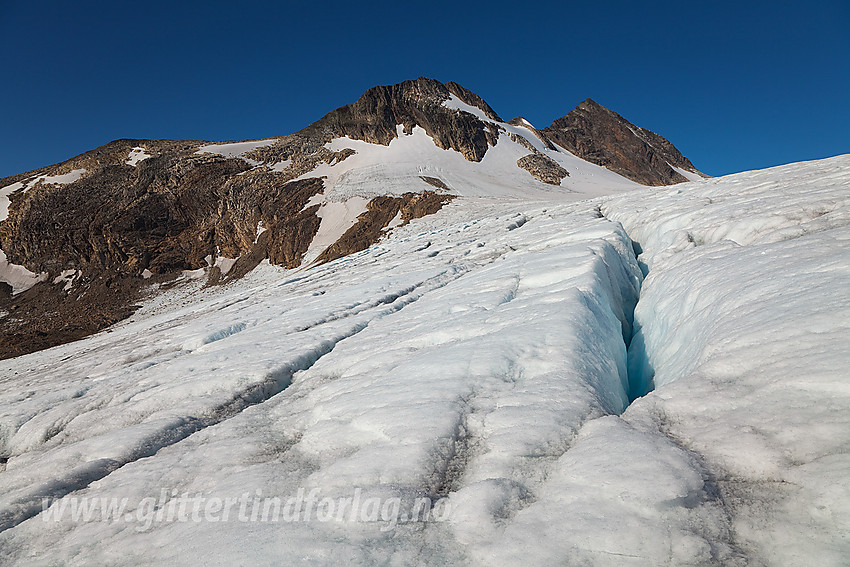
[(85, 239), (603, 137)]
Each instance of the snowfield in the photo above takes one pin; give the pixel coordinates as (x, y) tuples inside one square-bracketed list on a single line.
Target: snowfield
[(658, 377), (376, 170)]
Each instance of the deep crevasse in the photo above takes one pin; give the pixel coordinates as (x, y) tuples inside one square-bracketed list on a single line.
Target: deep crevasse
[(742, 327)]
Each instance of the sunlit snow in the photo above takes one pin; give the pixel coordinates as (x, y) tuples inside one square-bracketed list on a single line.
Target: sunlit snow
[(336, 218), (68, 277), (61, 179), (484, 358), (398, 168)]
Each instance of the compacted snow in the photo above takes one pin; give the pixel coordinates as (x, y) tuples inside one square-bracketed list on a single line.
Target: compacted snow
[(479, 363), (743, 328)]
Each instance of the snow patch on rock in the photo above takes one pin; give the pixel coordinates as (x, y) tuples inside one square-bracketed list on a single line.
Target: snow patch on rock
[(137, 155), (236, 149)]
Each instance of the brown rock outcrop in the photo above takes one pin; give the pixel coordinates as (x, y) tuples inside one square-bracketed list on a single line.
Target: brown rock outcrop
[(543, 168)]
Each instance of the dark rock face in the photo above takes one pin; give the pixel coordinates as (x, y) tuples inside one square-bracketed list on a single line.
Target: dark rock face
[(435, 182), (174, 211), (374, 118), (601, 136), (375, 115), (536, 163), (166, 214), (170, 212)]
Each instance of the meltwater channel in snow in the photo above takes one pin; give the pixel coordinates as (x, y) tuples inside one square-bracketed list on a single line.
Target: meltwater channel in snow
[(478, 363)]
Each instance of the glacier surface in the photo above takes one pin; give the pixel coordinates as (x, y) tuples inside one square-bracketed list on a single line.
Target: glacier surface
[(653, 378)]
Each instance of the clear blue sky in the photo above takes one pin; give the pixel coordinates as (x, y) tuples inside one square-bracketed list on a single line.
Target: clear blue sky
[(734, 85)]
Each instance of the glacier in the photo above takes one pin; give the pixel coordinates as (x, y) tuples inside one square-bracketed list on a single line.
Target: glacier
[(655, 377)]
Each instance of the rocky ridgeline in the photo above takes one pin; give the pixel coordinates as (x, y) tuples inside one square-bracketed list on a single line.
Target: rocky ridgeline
[(123, 225)]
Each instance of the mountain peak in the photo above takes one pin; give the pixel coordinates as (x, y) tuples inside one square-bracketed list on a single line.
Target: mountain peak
[(590, 103), (601, 136), (422, 102)]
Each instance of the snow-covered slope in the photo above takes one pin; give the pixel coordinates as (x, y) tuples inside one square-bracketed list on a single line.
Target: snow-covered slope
[(398, 168), (376, 170), (479, 360)]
